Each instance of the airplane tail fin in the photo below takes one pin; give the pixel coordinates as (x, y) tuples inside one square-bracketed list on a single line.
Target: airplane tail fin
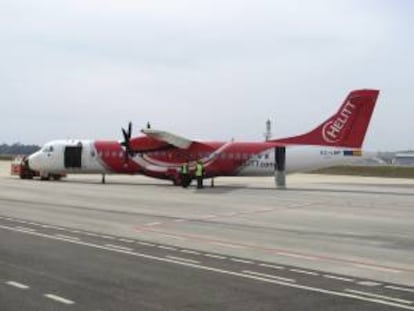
[(346, 128)]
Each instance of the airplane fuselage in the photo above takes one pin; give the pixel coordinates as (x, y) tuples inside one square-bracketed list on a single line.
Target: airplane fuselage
[(219, 158)]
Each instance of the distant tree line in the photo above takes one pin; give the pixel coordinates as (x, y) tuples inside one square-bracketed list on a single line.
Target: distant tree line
[(17, 148)]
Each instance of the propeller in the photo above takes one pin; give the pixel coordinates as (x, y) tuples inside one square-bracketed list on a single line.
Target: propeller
[(126, 142)]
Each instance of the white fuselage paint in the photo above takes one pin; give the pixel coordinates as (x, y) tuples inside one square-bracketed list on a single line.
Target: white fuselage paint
[(50, 159), (298, 159)]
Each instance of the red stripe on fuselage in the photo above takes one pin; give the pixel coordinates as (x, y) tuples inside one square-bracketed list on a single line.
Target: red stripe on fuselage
[(227, 163), (112, 155)]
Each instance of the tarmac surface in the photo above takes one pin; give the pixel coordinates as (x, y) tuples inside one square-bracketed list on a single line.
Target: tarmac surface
[(325, 243)]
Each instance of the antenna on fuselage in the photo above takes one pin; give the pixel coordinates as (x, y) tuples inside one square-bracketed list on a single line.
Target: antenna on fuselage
[(268, 133)]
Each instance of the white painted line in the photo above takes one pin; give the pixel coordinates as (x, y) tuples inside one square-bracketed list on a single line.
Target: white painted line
[(215, 256), (156, 223), (378, 296), (33, 223), (187, 251), (90, 234), (67, 237), (241, 260), (107, 237), (339, 278), (228, 245), (182, 259), (180, 220), (221, 271), (58, 228), (59, 299), (44, 226), (24, 228), (75, 231), (304, 272), (126, 240), (275, 277), (119, 247), (271, 266), (296, 256), (369, 283), (18, 285), (404, 289), (146, 244), (383, 269), (167, 247)]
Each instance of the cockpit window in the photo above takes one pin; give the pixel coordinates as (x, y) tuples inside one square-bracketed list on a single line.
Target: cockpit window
[(47, 149)]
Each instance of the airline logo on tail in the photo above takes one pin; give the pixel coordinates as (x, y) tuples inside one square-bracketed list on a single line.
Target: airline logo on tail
[(334, 129), (346, 128)]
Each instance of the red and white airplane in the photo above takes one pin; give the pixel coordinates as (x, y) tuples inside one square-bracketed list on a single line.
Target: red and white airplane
[(160, 154)]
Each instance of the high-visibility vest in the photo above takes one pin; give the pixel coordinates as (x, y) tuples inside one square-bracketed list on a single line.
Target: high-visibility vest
[(199, 170), (184, 169)]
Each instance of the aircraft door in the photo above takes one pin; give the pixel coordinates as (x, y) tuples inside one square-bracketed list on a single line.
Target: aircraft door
[(73, 156)]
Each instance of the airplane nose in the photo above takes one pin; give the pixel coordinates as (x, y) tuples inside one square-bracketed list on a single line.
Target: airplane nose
[(32, 162)]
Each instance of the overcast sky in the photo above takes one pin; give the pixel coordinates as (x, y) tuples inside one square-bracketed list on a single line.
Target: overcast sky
[(204, 69)]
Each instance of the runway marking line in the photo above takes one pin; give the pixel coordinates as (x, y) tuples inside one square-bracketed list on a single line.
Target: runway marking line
[(339, 278), (265, 265), (222, 271), (378, 296), (25, 228), (173, 237), (155, 223), (404, 289), (17, 285), (276, 277), (187, 251), (107, 237), (228, 245), (169, 248), (215, 256), (296, 256), (304, 272), (126, 240), (119, 247), (182, 259), (67, 237), (369, 283), (59, 299), (146, 244)]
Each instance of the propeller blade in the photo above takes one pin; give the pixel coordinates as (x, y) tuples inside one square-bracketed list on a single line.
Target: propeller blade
[(129, 129)]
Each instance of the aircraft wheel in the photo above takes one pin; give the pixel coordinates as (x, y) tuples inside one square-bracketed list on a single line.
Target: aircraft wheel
[(56, 177), (45, 177)]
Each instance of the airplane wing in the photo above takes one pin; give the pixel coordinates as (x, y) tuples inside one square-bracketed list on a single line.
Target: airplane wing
[(172, 139)]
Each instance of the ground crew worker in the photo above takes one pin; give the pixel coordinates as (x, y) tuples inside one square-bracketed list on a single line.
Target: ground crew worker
[(185, 175), (199, 173)]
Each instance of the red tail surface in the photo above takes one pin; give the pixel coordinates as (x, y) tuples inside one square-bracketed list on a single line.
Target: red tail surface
[(347, 128)]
